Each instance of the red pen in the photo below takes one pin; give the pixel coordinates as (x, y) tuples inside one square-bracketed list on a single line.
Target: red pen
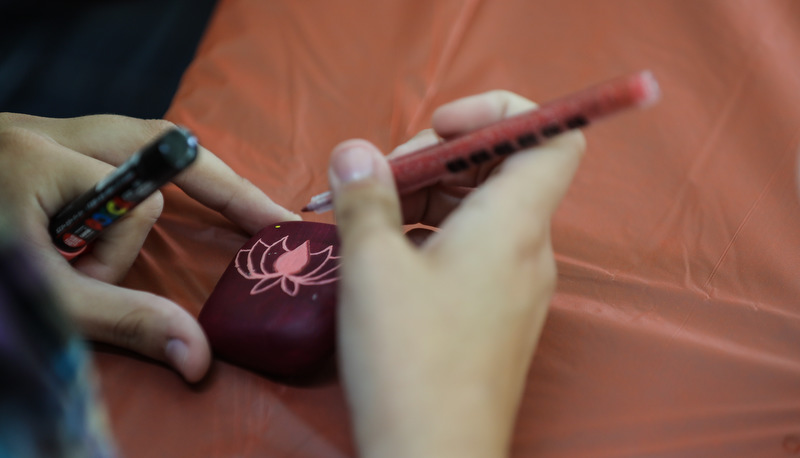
[(427, 166)]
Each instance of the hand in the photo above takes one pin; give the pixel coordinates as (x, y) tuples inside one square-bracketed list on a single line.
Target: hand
[(435, 342), (45, 163)]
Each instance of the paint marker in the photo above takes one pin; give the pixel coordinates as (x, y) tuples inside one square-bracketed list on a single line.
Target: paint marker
[(81, 221), (497, 141)]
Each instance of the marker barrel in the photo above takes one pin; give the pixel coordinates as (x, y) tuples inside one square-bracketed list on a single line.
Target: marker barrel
[(427, 166), (82, 220), (495, 142)]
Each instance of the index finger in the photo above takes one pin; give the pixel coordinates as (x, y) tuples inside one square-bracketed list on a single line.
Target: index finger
[(471, 113), (520, 197), (213, 183), (431, 205), (209, 180)]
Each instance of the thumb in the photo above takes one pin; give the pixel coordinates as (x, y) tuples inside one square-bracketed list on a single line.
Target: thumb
[(364, 196), (142, 322)]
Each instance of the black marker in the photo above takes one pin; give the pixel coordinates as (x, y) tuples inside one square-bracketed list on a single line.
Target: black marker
[(77, 224)]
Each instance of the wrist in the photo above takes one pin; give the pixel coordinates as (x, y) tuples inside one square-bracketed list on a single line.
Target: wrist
[(435, 428)]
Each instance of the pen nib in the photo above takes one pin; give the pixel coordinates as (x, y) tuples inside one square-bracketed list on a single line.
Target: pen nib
[(320, 203)]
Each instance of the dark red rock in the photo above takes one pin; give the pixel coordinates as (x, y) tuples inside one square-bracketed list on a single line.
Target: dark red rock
[(273, 309)]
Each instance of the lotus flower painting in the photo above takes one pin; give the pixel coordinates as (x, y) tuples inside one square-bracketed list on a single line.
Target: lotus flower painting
[(273, 309), (276, 264)]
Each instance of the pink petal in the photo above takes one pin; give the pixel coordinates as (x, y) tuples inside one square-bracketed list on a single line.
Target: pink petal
[(265, 284), (273, 251), (290, 290), (245, 259), (328, 264), (293, 261)]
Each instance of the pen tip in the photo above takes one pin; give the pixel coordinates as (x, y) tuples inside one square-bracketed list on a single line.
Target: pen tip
[(305, 209), (651, 92)]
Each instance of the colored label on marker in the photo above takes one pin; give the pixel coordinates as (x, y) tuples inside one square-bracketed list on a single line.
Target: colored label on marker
[(77, 224)]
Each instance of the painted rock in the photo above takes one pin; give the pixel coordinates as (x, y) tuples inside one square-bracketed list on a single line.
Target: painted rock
[(273, 309)]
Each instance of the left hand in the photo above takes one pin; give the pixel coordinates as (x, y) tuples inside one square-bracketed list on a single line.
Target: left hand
[(45, 163)]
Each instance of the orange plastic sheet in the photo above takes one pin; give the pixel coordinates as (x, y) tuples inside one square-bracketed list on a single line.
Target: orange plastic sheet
[(675, 329)]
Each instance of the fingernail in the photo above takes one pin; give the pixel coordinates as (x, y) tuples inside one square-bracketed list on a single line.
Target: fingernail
[(353, 164), (176, 352)]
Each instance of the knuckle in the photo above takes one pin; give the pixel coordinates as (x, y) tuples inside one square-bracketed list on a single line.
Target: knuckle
[(537, 271), (366, 213), (422, 139), (367, 250), (151, 208), (547, 270), (229, 195), (20, 141), (156, 127), (140, 328), (573, 143), (534, 237), (8, 119), (576, 141), (511, 102), (367, 203), (242, 184), (131, 329), (501, 94)]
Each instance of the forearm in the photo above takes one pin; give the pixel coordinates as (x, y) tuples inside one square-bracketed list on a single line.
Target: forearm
[(438, 409), (443, 426)]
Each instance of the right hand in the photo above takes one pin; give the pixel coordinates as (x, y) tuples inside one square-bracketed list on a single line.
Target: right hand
[(435, 341)]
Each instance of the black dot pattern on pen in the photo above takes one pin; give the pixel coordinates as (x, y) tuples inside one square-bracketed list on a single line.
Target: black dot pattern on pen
[(527, 140), (457, 165), (503, 149), (577, 122), (479, 157), (551, 130)]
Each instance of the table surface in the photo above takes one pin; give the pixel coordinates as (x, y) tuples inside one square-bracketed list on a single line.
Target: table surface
[(675, 326)]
